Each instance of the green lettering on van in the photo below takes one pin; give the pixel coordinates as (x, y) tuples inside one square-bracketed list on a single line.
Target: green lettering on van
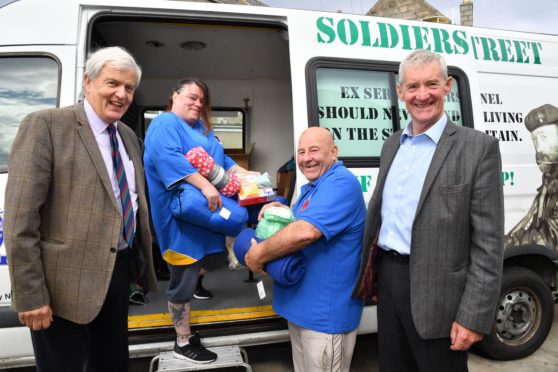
[(365, 183), (502, 50), (406, 37), (325, 30), (350, 37), (365, 27), (437, 39), (460, 40), (389, 38), (508, 178)]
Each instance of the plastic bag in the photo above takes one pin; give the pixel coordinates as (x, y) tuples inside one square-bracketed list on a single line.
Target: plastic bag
[(252, 182), (274, 219)]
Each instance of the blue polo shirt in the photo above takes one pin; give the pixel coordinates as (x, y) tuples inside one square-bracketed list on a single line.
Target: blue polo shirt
[(167, 140), (322, 301)]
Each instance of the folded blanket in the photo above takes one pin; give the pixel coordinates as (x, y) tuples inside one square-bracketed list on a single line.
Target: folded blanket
[(254, 209), (189, 205), (285, 271)]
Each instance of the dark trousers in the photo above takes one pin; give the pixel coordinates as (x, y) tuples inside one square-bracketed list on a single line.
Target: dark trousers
[(400, 347), (99, 346)]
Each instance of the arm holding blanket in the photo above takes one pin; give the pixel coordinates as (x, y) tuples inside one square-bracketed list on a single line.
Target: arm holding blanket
[(293, 237), (212, 195), (212, 178)]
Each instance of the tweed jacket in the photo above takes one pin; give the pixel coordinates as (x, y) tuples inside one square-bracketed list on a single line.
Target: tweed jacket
[(62, 222), (457, 236)]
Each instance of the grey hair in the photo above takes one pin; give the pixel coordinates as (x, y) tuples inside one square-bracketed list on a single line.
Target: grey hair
[(421, 57), (117, 57)]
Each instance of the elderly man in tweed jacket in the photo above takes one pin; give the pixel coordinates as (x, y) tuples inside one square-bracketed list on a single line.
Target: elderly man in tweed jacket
[(70, 265)]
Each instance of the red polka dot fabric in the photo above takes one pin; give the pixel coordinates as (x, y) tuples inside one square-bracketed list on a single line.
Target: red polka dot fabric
[(204, 163)]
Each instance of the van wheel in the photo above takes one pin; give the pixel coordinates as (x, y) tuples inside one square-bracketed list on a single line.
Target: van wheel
[(523, 318)]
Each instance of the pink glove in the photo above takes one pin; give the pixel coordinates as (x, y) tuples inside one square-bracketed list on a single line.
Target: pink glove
[(226, 182)]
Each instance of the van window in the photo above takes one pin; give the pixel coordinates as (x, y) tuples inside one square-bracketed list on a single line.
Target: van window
[(452, 103), (358, 103), (356, 106), (229, 125), (27, 84)]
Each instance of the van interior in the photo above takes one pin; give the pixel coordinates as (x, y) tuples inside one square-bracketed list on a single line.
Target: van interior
[(246, 66)]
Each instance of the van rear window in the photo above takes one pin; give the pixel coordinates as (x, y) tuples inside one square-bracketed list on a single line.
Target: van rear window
[(229, 125), (27, 84)]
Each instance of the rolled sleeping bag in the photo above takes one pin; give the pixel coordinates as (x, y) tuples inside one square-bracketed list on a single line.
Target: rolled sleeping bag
[(285, 271), (189, 204), (227, 183)]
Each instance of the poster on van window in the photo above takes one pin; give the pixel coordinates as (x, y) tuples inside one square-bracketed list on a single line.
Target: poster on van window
[(522, 112), (356, 107)]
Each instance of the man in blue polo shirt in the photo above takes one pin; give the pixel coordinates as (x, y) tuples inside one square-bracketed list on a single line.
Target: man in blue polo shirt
[(330, 213)]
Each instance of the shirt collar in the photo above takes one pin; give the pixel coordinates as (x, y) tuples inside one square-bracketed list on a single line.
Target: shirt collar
[(434, 132), (96, 123), (335, 165)]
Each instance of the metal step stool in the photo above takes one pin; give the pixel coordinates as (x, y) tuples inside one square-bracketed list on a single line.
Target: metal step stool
[(227, 356)]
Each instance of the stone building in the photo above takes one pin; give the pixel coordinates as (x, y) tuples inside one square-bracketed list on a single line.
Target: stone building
[(419, 10), (466, 12), (407, 9), (402, 9)]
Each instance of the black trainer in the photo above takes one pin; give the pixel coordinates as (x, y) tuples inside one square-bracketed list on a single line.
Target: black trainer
[(201, 293), (194, 352)]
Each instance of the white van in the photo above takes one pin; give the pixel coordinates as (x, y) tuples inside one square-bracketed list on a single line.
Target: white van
[(272, 73)]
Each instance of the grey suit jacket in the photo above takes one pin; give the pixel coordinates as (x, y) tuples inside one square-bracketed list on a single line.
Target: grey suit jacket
[(457, 235), (62, 222)]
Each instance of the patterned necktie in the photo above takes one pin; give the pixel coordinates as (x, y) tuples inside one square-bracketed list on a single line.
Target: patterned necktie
[(125, 198)]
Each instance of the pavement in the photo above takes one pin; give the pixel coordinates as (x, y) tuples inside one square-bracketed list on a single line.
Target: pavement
[(277, 358)]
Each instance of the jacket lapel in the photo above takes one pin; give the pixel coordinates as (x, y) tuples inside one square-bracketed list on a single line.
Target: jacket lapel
[(88, 138), (440, 154), (387, 157)]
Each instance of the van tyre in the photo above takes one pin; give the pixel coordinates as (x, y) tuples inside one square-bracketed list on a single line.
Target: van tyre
[(524, 316)]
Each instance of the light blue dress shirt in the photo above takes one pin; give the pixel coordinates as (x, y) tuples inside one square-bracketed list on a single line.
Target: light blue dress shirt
[(403, 186)]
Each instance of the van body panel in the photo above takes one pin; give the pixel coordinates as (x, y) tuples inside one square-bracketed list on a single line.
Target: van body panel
[(282, 70)]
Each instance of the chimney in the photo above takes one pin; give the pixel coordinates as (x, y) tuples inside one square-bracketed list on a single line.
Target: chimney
[(466, 13)]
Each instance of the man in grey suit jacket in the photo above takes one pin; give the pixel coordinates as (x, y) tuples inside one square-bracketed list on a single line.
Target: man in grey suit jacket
[(70, 266), (434, 230)]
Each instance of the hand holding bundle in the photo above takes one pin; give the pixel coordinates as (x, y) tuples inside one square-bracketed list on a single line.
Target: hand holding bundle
[(285, 271)]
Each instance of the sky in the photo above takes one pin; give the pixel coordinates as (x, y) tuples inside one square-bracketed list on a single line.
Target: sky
[(517, 15)]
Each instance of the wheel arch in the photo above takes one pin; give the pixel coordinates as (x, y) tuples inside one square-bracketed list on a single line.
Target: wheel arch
[(542, 260)]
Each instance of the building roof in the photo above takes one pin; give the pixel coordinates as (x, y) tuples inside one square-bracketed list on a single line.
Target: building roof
[(405, 9)]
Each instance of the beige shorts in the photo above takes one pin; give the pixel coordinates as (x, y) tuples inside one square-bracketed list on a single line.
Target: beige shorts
[(317, 352)]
